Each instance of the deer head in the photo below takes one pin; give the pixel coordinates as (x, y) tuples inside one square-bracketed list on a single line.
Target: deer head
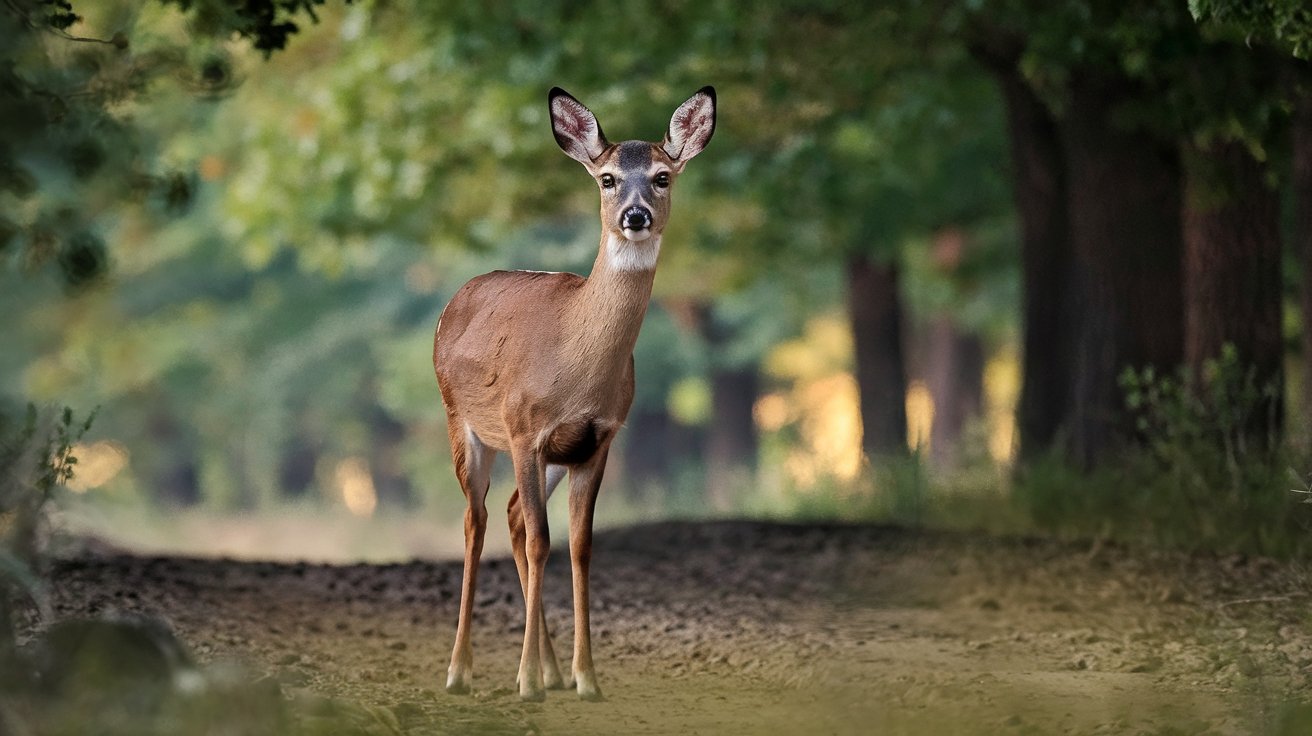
[(635, 177)]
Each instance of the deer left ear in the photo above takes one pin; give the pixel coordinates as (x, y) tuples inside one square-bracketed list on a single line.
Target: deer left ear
[(691, 127), (576, 129)]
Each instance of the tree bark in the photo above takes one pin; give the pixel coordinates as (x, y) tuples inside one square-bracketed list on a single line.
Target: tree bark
[(731, 442), (955, 377), (1039, 187), (1040, 194), (1302, 233), (387, 438), (648, 451), (875, 308), (1123, 200), (173, 468), (1232, 283)]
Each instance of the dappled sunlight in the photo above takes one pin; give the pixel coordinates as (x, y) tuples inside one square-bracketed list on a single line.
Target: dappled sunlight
[(825, 412), (1001, 394), (97, 464), (920, 415), (356, 485)]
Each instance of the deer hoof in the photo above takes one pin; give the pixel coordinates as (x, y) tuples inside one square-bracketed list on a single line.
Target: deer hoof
[(587, 687), (456, 684)]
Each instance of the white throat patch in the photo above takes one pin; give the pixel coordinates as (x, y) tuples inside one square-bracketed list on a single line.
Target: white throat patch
[(632, 255)]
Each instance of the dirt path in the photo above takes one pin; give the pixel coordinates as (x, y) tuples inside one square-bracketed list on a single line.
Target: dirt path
[(737, 627)]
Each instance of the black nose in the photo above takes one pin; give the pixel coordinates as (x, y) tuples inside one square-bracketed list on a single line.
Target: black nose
[(636, 218)]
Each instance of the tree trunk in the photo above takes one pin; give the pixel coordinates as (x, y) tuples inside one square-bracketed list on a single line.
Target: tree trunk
[(1040, 194), (1123, 200), (875, 306), (730, 441), (1302, 174), (173, 469), (648, 451), (1039, 186), (387, 439), (1233, 288), (955, 376)]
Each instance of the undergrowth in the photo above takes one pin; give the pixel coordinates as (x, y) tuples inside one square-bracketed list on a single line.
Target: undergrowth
[(1205, 471)]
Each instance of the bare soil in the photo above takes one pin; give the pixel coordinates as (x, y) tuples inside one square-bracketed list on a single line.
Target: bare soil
[(742, 627)]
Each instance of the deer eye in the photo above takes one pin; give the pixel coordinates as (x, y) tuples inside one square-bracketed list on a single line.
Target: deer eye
[(607, 181), (662, 180)]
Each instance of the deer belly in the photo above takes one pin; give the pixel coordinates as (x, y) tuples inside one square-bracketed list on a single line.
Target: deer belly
[(573, 442)]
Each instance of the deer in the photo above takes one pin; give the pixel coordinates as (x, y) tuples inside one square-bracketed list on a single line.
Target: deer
[(540, 365)]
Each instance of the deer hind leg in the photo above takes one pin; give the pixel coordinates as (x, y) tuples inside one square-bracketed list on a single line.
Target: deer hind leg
[(473, 463), (530, 475), (551, 675), (584, 482)]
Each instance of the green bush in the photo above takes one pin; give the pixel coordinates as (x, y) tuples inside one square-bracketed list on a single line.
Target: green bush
[(1206, 469), (36, 459)]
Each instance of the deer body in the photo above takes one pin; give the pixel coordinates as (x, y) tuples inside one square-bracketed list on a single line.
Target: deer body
[(540, 365)]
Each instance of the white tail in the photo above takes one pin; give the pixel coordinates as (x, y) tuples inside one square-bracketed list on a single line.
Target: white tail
[(540, 365)]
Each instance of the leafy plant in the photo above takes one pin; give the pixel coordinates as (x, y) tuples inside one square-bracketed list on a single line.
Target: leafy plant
[(1206, 471), (36, 460)]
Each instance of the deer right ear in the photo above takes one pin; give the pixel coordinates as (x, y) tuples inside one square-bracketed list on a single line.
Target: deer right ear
[(691, 127), (577, 131)]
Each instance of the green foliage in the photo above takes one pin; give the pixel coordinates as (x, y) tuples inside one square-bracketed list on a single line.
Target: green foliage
[(36, 460), (267, 24), (1199, 479), (73, 156), (1287, 23), (1224, 407)]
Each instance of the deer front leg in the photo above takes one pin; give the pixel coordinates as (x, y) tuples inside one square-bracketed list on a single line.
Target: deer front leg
[(537, 544), (584, 482), (472, 464), (551, 676)]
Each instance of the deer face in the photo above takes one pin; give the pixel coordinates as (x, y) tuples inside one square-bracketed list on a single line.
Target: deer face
[(635, 177)]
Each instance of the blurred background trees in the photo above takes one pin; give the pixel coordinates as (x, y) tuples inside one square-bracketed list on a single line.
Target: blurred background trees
[(931, 240)]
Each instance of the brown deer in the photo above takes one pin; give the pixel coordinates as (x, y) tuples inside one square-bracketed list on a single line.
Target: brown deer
[(540, 365)]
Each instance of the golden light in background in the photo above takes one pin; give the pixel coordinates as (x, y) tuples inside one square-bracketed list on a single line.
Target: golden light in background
[(1001, 393), (771, 412), (356, 485), (920, 415), (821, 402), (830, 425), (97, 464)]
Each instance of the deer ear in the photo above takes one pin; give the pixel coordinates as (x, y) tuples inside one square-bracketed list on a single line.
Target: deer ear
[(576, 128), (691, 127)]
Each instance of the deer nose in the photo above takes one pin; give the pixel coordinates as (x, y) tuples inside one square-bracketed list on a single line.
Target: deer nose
[(636, 218)]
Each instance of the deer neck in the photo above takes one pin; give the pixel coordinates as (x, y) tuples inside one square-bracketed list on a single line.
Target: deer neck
[(609, 309)]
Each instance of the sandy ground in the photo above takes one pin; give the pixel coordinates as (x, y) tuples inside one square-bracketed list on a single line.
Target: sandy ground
[(741, 627)]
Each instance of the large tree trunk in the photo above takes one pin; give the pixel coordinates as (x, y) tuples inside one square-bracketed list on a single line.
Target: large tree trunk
[(1124, 207), (1039, 187), (875, 306), (1040, 194), (1302, 173), (1232, 281)]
